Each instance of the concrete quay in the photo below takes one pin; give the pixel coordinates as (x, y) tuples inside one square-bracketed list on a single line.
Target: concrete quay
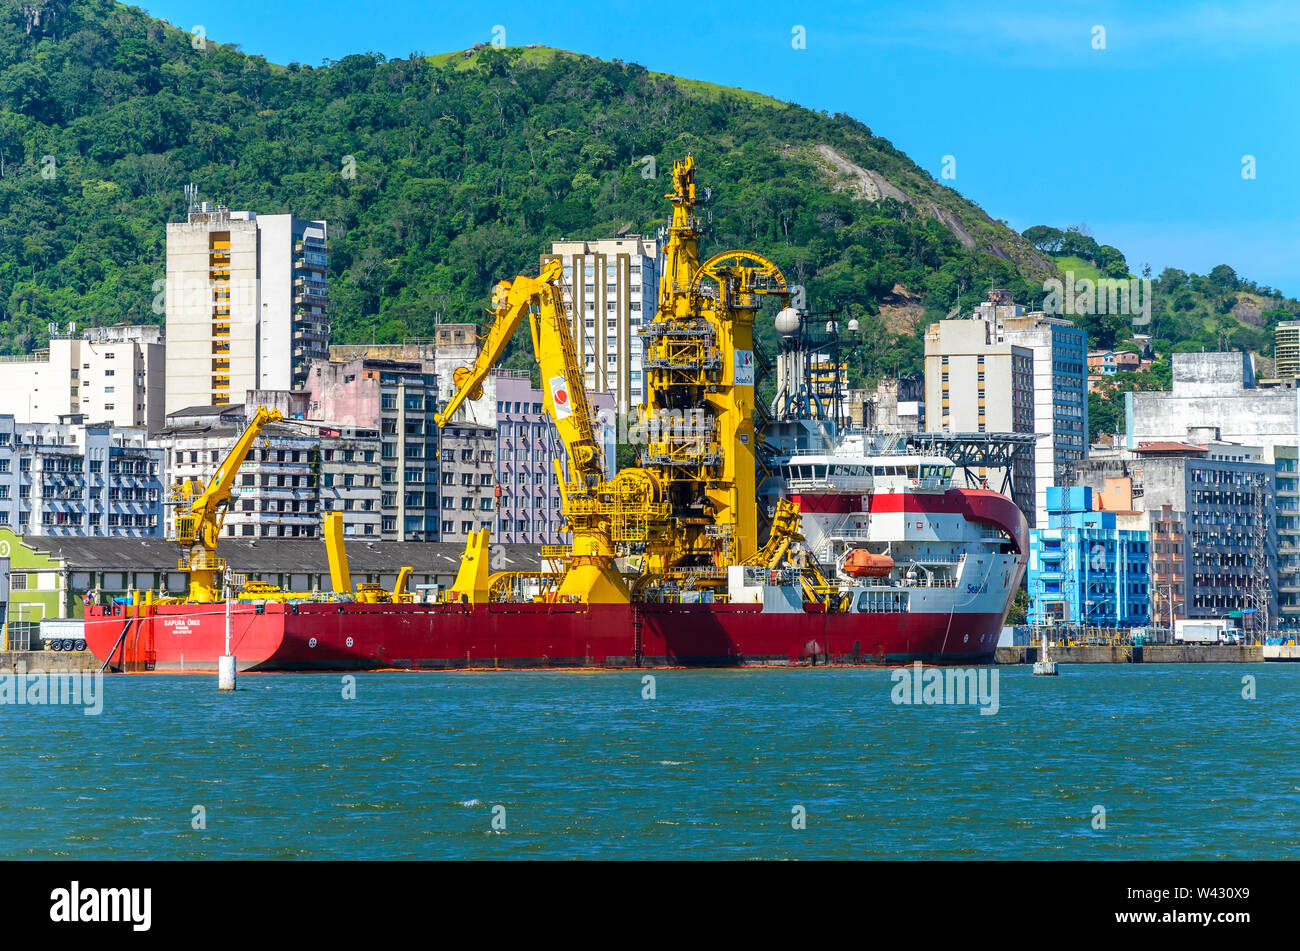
[(1149, 654)]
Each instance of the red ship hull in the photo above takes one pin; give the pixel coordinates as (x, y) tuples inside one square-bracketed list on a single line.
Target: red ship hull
[(325, 636)]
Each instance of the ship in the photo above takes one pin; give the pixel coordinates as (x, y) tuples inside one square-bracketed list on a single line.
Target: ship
[(727, 544), (955, 557)]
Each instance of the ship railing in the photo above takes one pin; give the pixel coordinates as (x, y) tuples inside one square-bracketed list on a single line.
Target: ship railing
[(849, 534), (927, 582)]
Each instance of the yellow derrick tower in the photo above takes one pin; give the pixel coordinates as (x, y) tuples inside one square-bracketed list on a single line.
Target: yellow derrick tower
[(699, 370), (689, 510)]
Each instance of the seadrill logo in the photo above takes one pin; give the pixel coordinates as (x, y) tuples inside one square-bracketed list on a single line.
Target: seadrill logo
[(78, 904)]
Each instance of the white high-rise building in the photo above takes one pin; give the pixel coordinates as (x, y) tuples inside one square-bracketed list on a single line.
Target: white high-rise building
[(1057, 351), (247, 304), (110, 375), (611, 289)]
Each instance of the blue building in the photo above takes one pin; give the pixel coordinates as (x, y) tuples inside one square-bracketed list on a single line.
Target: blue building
[(1083, 570), (72, 479)]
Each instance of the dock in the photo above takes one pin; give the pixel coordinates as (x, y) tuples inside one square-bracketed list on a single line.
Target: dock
[(1148, 654), (46, 662)]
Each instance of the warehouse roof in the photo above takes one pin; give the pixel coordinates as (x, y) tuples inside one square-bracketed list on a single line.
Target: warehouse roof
[(298, 556)]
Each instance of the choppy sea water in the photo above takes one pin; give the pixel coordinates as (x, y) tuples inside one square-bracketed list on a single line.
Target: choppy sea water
[(582, 765)]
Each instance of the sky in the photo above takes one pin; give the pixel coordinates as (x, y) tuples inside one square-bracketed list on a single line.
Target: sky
[(1168, 129)]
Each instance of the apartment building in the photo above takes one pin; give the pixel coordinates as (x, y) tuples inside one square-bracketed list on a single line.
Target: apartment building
[(1060, 395), (468, 489), (527, 448), (74, 479), (1084, 569), (611, 290), (1168, 571), (1059, 380), (1212, 510), (976, 382), (1286, 465), (1286, 350), (400, 400), (298, 471), (114, 375), (246, 303)]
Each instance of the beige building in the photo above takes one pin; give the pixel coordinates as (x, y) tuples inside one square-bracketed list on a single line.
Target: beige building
[(976, 383), (247, 304), (1286, 350), (975, 358), (111, 375), (611, 289)]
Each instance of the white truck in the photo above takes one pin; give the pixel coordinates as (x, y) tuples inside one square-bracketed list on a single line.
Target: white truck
[(63, 634), (1206, 631)]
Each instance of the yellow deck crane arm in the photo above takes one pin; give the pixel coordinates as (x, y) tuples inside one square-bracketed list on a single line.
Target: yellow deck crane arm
[(540, 299), (601, 514), (202, 510)]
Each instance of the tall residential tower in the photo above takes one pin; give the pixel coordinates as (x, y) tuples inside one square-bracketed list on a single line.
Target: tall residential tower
[(611, 288), (247, 304)]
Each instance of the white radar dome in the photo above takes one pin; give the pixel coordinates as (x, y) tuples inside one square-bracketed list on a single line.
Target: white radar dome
[(787, 322)]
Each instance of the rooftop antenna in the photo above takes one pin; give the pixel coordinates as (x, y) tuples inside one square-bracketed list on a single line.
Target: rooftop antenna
[(192, 197)]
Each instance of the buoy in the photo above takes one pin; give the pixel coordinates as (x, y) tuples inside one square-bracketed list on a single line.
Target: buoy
[(1044, 666), (226, 663), (226, 672)]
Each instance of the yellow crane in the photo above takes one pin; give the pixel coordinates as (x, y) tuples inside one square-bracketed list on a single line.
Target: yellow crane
[(202, 511), (606, 517), (699, 365), (689, 510)]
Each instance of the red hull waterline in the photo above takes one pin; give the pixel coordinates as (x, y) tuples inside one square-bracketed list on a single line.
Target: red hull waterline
[(351, 636)]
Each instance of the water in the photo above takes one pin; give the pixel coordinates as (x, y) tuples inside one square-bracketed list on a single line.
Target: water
[(712, 768)]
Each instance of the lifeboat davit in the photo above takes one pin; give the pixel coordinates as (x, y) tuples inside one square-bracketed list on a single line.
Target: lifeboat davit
[(862, 563)]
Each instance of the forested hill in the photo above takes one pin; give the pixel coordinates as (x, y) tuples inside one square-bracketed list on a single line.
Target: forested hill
[(440, 175)]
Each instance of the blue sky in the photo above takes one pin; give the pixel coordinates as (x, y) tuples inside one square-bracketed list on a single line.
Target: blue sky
[(1143, 141)]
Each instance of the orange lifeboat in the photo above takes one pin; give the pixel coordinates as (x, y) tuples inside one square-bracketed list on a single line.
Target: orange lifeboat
[(862, 563)]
